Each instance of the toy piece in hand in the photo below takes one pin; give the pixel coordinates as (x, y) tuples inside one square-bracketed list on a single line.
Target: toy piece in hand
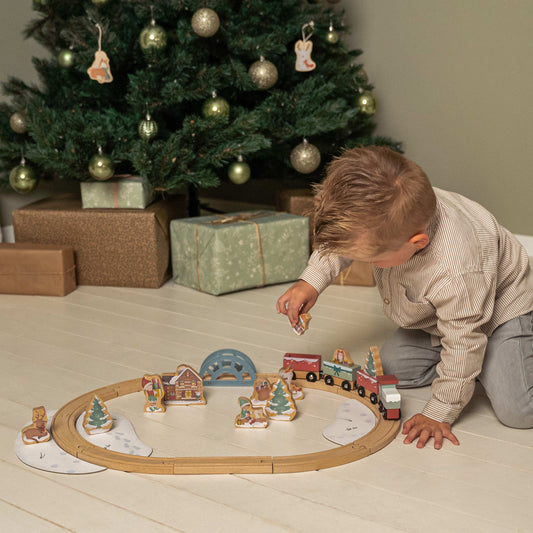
[(303, 324)]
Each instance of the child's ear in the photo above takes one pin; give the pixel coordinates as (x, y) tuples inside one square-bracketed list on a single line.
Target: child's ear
[(420, 240)]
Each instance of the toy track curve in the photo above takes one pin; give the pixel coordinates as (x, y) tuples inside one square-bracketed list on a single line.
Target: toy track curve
[(67, 437)]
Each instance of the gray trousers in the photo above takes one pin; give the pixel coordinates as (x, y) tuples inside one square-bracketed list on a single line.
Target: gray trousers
[(507, 373)]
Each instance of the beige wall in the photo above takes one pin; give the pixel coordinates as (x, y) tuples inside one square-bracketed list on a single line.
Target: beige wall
[(453, 78)]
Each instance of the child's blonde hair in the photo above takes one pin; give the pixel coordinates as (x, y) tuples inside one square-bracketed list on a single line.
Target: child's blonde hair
[(371, 194)]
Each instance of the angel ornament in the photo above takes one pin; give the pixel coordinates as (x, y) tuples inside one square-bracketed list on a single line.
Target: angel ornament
[(303, 48)]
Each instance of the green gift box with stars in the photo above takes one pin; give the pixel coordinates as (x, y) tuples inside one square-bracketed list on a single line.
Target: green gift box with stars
[(226, 253), (129, 192)]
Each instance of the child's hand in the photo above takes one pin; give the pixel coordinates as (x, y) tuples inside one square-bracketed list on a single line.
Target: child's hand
[(299, 298), (424, 427)]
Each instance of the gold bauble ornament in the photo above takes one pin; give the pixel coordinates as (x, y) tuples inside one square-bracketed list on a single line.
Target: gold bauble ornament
[(99, 2), (305, 158), (263, 73), (22, 178), (332, 37), (19, 122), (367, 103), (148, 128), (215, 107), (101, 166), (205, 22), (239, 171), (153, 38), (65, 58)]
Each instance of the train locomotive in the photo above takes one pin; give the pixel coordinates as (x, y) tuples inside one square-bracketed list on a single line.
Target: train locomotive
[(342, 372)]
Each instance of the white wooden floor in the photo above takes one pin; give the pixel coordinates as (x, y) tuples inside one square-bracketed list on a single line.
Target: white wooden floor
[(54, 349)]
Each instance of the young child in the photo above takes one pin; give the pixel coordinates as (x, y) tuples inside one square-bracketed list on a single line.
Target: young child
[(456, 283)]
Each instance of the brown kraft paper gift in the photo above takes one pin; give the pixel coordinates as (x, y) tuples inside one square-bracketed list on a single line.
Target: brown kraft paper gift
[(300, 202), (37, 269), (122, 248)]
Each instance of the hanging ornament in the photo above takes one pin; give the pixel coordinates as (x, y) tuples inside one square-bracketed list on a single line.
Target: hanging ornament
[(65, 58), (22, 178), (367, 103), (263, 73), (148, 128), (153, 38), (239, 171), (332, 37), (303, 49), (100, 69), (205, 22), (99, 2), (101, 166), (216, 106), (361, 77), (19, 122), (305, 158)]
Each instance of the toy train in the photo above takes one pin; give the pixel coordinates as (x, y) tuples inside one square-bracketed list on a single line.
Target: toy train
[(342, 372)]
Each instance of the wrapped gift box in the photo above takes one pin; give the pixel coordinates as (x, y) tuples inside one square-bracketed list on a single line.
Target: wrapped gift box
[(131, 192), (122, 247), (300, 202), (356, 274), (39, 269), (219, 254)]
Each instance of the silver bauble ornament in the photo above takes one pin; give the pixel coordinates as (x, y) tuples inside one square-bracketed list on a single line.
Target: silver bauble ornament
[(101, 166), (239, 171), (22, 178), (148, 128), (153, 38), (305, 158), (367, 103), (65, 58), (263, 73), (205, 22), (19, 122), (215, 107)]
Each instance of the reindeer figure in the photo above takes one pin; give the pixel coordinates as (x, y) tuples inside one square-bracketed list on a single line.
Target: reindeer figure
[(36, 432)]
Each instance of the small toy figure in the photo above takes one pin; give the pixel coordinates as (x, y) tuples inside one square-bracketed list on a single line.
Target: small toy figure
[(249, 417), (303, 324), (342, 357), (36, 432), (261, 392), (287, 373), (97, 418), (154, 392), (280, 405)]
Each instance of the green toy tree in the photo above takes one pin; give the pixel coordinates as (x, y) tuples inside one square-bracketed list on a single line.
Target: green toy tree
[(185, 93)]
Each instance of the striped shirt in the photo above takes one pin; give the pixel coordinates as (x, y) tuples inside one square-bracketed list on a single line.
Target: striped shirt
[(473, 276)]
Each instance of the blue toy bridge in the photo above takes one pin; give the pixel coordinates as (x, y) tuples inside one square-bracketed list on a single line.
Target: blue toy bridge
[(227, 368)]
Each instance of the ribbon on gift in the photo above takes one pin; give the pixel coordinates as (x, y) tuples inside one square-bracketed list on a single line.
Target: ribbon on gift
[(232, 219), (344, 274)]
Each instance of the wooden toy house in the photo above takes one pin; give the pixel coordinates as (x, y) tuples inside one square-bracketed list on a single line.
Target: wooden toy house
[(184, 387)]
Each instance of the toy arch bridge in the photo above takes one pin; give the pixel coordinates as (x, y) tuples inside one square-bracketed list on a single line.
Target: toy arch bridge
[(227, 368)]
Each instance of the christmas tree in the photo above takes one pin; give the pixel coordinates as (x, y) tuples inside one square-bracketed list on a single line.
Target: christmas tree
[(185, 93)]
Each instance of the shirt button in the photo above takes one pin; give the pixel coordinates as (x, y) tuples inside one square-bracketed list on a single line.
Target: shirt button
[(386, 301)]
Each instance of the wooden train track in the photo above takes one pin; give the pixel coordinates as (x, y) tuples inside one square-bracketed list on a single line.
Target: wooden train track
[(67, 437)]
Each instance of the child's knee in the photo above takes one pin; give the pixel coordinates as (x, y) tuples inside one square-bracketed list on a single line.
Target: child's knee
[(515, 416)]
